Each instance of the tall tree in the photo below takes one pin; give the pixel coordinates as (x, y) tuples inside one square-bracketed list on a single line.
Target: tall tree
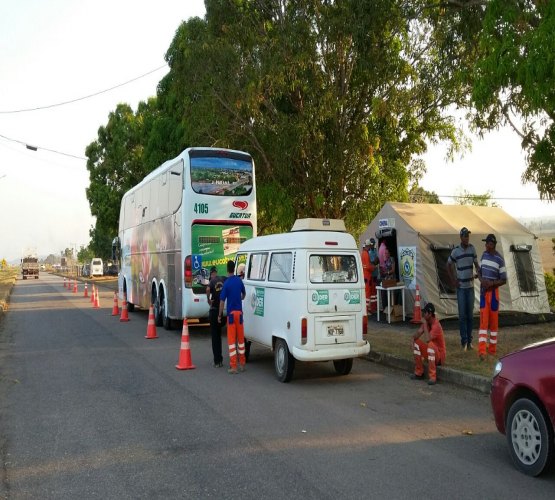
[(334, 99), (514, 81)]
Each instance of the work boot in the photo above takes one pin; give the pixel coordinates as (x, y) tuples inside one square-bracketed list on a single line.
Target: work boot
[(469, 346), (414, 376), (432, 382), (232, 371), (242, 368)]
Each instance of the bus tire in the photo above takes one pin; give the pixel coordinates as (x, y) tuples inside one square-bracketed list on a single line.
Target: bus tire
[(284, 362), (165, 320)]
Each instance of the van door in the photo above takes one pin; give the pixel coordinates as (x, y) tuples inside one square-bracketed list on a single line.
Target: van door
[(335, 297), (253, 305)]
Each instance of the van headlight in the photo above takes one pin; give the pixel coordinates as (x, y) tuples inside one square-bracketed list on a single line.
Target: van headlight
[(497, 369)]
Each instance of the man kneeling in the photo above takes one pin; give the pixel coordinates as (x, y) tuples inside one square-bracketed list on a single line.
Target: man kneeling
[(432, 348)]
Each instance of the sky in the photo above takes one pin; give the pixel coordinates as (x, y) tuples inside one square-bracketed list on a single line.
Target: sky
[(62, 50)]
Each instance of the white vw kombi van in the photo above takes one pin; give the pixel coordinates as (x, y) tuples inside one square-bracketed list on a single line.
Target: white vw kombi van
[(305, 295), (97, 267)]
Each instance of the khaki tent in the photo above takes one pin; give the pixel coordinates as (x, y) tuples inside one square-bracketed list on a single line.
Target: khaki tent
[(421, 236)]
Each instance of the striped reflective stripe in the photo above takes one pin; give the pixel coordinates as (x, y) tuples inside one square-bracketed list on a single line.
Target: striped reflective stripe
[(184, 344)]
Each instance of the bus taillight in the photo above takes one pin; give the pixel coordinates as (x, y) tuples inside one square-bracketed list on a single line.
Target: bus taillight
[(303, 331), (188, 272)]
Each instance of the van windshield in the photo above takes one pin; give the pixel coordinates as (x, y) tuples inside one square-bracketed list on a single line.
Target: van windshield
[(333, 269)]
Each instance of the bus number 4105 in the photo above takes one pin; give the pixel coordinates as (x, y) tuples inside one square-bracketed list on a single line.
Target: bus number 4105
[(201, 208)]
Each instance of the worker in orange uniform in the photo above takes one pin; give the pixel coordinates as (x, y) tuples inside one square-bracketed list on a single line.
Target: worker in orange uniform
[(367, 269), (233, 292), (431, 348), (493, 274)]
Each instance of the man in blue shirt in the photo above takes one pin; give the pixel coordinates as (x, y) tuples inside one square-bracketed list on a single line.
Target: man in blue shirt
[(460, 265), (232, 294), (493, 274)]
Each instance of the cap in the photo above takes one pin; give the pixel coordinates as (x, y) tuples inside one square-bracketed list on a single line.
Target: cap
[(213, 269), (465, 231), (491, 238), (429, 308), (372, 241), (367, 243)]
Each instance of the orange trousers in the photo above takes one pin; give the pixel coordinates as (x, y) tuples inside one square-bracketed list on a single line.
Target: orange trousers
[(489, 320), (427, 351), (236, 339)]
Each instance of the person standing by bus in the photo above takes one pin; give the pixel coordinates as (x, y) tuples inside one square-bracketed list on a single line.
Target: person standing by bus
[(493, 274), (213, 291), (233, 293)]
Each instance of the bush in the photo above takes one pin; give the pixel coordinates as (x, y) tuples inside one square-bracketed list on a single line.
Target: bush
[(550, 286)]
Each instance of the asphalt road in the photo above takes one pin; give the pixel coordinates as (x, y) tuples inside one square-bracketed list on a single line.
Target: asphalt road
[(91, 409)]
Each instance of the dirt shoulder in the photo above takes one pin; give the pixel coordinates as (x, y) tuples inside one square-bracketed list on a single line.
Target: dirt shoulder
[(515, 331), (7, 281)]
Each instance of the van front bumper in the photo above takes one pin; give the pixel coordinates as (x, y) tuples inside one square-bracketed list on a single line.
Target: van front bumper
[(334, 351)]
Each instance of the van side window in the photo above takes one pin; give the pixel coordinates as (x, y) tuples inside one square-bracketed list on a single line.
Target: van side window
[(257, 266), (280, 267), (333, 269)]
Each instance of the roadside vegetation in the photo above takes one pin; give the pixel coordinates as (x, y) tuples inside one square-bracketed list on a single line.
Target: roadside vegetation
[(8, 275)]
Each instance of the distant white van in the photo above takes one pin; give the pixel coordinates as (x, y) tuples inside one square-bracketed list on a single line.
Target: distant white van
[(305, 296), (97, 267)]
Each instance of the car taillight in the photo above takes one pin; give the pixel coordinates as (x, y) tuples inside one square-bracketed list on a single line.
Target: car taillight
[(364, 324), (188, 272), (303, 331)]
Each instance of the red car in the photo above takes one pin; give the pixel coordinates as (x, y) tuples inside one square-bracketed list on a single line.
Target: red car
[(523, 402)]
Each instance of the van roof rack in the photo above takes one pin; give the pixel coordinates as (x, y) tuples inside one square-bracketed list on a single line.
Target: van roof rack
[(319, 225)]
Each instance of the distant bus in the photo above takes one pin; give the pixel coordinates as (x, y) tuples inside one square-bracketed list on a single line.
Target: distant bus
[(188, 215)]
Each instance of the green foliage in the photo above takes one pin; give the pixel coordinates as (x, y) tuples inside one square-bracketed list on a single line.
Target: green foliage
[(418, 194), (477, 200), (515, 76), (550, 286), (85, 254)]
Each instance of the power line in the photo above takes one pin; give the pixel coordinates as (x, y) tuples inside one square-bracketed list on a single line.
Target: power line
[(82, 98), (35, 148)]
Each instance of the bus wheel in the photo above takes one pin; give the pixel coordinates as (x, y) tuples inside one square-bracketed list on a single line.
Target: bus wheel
[(155, 300), (130, 307), (166, 322), (343, 366), (284, 362)]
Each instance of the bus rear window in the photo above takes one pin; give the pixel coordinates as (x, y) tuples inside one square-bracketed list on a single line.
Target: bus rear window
[(333, 269), (221, 175)]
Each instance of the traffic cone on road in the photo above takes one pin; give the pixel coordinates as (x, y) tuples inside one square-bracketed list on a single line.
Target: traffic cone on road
[(115, 309), (185, 361), (92, 294), (124, 316), (96, 300), (75, 286), (417, 315), (86, 292), (151, 327)]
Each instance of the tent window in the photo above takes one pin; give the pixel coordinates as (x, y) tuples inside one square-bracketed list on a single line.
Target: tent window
[(525, 270), (444, 284)]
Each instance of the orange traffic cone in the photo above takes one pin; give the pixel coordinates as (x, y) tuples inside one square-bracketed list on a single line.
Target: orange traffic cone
[(124, 316), (75, 286), (96, 300), (115, 309), (151, 327), (185, 362), (86, 292), (92, 294), (417, 315)]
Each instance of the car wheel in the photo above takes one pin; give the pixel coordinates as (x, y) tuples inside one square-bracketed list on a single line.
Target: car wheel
[(156, 303), (530, 437), (343, 366), (284, 362)]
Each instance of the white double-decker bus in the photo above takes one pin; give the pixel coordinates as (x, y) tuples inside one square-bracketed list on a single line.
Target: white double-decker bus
[(188, 215)]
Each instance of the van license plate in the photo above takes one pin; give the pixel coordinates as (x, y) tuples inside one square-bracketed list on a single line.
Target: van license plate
[(334, 331)]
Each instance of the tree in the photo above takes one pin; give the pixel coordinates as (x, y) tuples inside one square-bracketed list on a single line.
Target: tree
[(115, 163), (418, 194), (478, 200), (514, 80), (85, 254), (335, 100)]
